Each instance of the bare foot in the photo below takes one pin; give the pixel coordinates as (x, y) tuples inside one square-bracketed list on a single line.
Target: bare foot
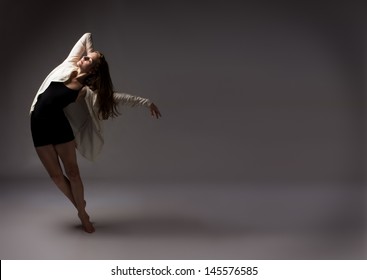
[(87, 225)]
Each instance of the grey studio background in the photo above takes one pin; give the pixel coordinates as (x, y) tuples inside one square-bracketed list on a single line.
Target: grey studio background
[(260, 151)]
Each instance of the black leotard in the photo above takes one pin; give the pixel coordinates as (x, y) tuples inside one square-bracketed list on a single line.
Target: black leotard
[(49, 124)]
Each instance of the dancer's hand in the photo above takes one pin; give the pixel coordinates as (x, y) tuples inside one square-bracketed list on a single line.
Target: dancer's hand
[(154, 111)]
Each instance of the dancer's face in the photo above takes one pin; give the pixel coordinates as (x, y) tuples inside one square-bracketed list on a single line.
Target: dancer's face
[(87, 63)]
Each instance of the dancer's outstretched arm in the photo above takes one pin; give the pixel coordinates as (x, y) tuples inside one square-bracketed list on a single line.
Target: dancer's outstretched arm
[(132, 100)]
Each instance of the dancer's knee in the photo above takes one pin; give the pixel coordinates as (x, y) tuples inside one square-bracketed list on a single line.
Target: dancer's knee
[(73, 173), (58, 178)]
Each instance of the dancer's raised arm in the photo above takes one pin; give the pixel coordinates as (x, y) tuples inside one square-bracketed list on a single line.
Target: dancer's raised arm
[(84, 45)]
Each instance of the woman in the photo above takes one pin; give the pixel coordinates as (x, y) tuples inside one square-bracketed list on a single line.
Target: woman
[(66, 115)]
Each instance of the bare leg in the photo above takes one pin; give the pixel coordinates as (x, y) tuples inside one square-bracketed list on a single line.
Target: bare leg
[(67, 154), (69, 188), (50, 161)]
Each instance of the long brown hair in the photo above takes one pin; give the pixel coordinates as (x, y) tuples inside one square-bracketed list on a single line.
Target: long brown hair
[(100, 81)]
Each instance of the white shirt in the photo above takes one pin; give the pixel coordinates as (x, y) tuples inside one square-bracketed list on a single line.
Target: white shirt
[(83, 115)]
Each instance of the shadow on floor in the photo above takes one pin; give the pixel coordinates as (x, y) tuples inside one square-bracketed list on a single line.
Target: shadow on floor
[(165, 227)]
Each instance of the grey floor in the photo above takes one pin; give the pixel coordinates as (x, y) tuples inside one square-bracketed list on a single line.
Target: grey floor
[(182, 221)]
